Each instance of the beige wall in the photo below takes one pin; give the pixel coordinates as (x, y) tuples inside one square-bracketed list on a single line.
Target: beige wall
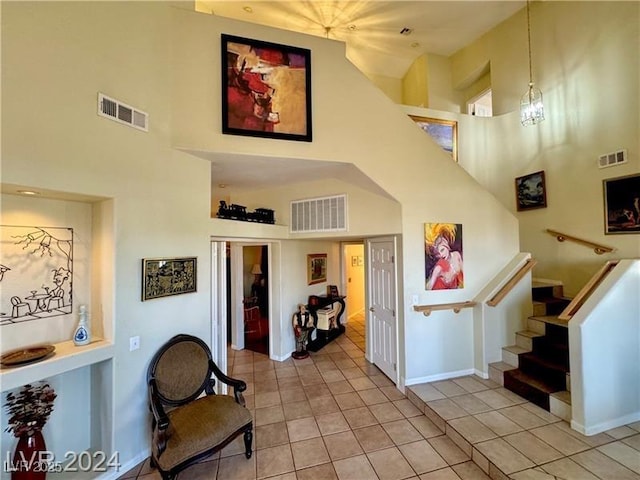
[(415, 86)]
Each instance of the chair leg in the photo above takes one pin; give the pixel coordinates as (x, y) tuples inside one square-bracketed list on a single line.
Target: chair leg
[(248, 437)]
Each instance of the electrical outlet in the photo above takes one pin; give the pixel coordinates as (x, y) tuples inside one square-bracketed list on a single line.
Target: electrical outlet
[(134, 343)]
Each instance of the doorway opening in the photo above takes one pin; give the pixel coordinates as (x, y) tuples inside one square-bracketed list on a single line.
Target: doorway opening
[(255, 292), (481, 105), (354, 279)]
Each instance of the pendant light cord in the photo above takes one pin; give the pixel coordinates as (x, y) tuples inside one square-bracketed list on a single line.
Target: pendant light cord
[(529, 44)]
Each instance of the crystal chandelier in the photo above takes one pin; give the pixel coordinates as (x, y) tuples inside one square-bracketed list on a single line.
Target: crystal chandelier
[(531, 108)]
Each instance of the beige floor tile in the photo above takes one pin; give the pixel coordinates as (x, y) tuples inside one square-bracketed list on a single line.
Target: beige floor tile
[(533, 474), (391, 392), (449, 388), (603, 466), (592, 440), (239, 467), (309, 453), (340, 387), (342, 445), (353, 468), (350, 400), (447, 409), (568, 469), (401, 431), (296, 410), (362, 383), (350, 373), (425, 426), (199, 471), (621, 432), (633, 441), (317, 391), (302, 429), (494, 399), (312, 379), (427, 392), (373, 438), (265, 386), (270, 435), (471, 429), (235, 447), (359, 417), (523, 417), (373, 396), (330, 423), (422, 456), (286, 372), (533, 448), (498, 423), (265, 416), (407, 408), (470, 471), (560, 440), (268, 399), (624, 454), (471, 403), (322, 405), (545, 415), (504, 456), (319, 472), (292, 394), (333, 376), (271, 461), (389, 464), (385, 412), (442, 474), (448, 450), (470, 384)]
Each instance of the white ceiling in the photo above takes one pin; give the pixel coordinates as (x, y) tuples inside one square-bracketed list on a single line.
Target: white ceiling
[(371, 31)]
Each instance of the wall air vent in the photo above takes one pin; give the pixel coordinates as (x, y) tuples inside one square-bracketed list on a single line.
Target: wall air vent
[(122, 113), (325, 214), (612, 159)]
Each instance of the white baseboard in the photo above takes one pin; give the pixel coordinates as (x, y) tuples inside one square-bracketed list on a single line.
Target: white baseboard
[(604, 426), (439, 376), (481, 374), (281, 358)]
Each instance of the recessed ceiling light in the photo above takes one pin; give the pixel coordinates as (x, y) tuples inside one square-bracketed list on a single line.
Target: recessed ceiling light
[(28, 192), (247, 9), (406, 31), (415, 45), (222, 185), (352, 27)]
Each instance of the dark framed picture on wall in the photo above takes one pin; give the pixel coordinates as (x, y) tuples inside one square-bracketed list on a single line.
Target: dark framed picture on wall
[(162, 277), (266, 89), (443, 132), (621, 205), (316, 268), (531, 191)]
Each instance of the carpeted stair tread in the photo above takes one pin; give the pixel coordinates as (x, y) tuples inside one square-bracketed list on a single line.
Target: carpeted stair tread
[(533, 389)]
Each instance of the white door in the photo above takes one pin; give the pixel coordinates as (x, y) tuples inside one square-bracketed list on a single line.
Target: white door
[(219, 309), (382, 305)]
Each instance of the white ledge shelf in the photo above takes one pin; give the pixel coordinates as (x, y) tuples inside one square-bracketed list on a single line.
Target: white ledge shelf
[(66, 357)]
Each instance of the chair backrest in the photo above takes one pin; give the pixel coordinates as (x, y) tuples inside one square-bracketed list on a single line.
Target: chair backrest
[(16, 301), (251, 314), (181, 369)]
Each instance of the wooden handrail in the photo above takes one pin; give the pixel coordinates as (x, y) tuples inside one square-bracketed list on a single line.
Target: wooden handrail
[(507, 287), (456, 307), (599, 249), (586, 291)]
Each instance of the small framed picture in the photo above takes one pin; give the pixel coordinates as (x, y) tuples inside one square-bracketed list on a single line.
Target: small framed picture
[(621, 205), (316, 268), (443, 132), (266, 89), (531, 191), (162, 277)]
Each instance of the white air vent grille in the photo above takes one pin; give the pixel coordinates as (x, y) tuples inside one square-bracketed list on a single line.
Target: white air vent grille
[(122, 113), (326, 214), (613, 158)]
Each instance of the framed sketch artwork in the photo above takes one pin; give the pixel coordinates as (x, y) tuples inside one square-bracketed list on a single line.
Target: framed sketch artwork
[(162, 277), (266, 89)]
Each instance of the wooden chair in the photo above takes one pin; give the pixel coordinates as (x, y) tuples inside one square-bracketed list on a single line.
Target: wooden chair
[(252, 322), (187, 427)]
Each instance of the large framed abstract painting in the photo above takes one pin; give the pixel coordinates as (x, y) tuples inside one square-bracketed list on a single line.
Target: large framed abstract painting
[(443, 256), (622, 204), (162, 277), (266, 89), (443, 132)]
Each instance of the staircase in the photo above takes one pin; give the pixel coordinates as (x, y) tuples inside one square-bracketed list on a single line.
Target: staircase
[(537, 366)]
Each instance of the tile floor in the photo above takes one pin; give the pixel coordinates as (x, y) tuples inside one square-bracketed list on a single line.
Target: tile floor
[(336, 416)]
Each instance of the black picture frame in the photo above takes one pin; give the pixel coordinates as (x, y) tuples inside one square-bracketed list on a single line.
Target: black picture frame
[(163, 277), (621, 205), (266, 89), (531, 191)]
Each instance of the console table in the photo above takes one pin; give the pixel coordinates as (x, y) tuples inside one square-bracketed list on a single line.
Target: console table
[(323, 337)]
